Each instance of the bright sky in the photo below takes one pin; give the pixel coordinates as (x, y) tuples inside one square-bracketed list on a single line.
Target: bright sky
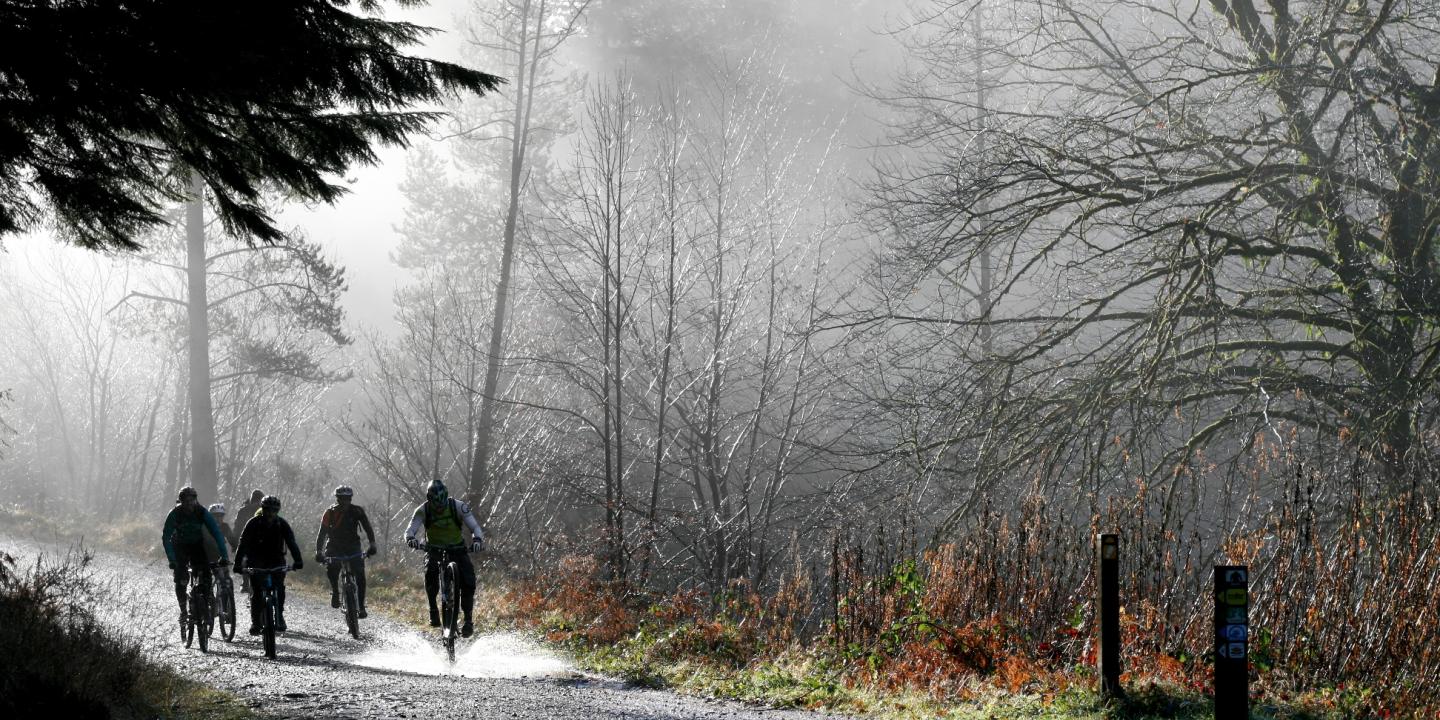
[(360, 229)]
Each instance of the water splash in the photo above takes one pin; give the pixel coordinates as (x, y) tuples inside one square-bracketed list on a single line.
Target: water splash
[(498, 655)]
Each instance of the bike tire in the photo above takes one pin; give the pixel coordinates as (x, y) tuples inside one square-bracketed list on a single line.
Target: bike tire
[(227, 613), (452, 603), (187, 632), (352, 607), (268, 629), (203, 625)]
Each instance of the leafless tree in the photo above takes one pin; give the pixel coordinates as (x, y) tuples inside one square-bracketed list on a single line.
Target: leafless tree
[(1212, 223)]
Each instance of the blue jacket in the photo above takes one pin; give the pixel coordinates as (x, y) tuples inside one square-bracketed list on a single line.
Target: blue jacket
[(184, 528)]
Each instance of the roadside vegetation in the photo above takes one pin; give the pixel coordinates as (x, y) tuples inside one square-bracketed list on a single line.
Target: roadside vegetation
[(58, 660), (998, 626), (1001, 624)]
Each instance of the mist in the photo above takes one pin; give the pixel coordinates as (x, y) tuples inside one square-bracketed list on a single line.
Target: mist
[(713, 294)]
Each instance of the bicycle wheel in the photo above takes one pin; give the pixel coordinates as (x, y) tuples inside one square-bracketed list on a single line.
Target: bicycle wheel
[(226, 599), (185, 623), (268, 628), (452, 609), (352, 604), (204, 621), (187, 628)]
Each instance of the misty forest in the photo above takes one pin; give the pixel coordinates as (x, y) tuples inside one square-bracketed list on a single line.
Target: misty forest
[(773, 327)]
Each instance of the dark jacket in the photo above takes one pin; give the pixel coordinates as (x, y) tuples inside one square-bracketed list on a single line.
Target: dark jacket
[(246, 511), (186, 528), (263, 543), (341, 526)]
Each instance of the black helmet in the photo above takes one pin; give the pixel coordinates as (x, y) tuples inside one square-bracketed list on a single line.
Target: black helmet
[(256, 494), (185, 492), (270, 503), (437, 492), (344, 491)]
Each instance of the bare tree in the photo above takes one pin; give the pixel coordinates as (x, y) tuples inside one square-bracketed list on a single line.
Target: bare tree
[(1211, 224), (594, 244), (526, 35)]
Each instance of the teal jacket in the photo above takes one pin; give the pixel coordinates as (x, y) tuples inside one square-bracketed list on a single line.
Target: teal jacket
[(185, 528)]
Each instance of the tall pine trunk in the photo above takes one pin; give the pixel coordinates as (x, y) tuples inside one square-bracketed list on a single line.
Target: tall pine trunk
[(203, 476)]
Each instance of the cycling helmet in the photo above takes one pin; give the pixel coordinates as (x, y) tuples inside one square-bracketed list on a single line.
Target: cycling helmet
[(256, 494), (270, 503), (187, 491), (217, 509), (437, 492), (344, 491)]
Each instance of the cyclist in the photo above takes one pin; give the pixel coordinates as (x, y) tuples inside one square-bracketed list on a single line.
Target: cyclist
[(339, 536), (218, 511), (443, 517), (262, 544), (184, 546), (249, 509)]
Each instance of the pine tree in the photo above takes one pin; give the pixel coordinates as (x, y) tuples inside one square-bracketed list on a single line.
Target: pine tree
[(108, 107)]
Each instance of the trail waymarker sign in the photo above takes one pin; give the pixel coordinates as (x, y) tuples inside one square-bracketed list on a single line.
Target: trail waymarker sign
[(1109, 546), (1232, 637)]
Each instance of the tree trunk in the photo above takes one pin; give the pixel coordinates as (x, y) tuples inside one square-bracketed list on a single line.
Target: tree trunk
[(477, 493), (202, 421), (672, 231)]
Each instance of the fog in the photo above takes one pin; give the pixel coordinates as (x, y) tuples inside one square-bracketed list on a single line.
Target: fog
[(705, 284)]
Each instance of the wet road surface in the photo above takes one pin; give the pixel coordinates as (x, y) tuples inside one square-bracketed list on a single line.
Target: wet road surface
[(392, 671)]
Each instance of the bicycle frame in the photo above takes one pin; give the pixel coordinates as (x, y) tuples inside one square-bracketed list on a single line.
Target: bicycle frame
[(265, 585), (199, 605), (449, 593), (350, 589)]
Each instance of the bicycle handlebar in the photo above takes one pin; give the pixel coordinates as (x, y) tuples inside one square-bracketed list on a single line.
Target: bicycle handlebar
[(342, 558), (442, 548), (263, 571)]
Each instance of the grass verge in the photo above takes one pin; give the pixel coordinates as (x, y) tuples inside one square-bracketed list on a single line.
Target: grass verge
[(659, 644), (58, 660)]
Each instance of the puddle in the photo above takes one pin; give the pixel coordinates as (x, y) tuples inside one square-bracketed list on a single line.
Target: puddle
[(499, 655)]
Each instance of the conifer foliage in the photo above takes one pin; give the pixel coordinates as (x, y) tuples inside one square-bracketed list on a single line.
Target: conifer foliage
[(104, 106)]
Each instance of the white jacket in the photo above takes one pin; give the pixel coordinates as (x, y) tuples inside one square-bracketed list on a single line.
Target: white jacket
[(417, 520)]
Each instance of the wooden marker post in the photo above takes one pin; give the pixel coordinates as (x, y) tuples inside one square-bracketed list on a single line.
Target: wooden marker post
[(1232, 646), (1110, 616)]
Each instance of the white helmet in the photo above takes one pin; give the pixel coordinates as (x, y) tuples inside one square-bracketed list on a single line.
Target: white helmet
[(217, 509)]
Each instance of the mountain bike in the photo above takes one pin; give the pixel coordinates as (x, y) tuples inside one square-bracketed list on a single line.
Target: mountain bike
[(263, 582), (449, 594), (224, 602), (199, 620), (349, 591)]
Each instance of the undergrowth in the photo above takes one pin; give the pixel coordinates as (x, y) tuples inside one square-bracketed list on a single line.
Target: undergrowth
[(58, 660), (1001, 623), (1004, 620)]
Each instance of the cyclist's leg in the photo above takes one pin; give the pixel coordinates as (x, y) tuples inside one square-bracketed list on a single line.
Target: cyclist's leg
[(357, 566), (206, 577), (332, 571), (432, 585), (257, 608), (182, 576), (280, 601), (466, 577), (189, 559)]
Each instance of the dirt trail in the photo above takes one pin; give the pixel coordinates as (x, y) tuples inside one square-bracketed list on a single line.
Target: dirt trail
[(393, 671)]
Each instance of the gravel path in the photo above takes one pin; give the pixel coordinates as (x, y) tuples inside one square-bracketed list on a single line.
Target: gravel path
[(391, 672)]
